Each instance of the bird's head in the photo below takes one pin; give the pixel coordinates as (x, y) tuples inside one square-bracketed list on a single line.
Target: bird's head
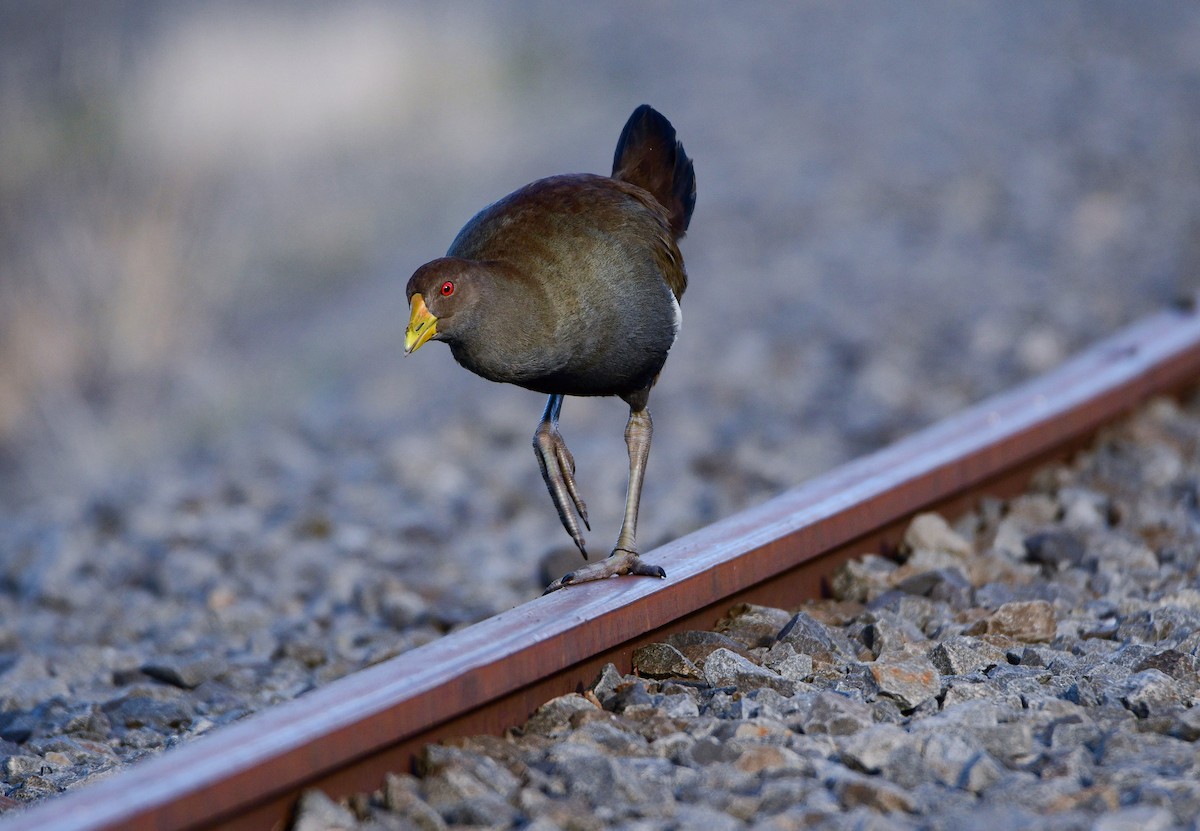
[(441, 294)]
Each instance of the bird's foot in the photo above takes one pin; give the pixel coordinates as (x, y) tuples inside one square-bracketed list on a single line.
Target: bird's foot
[(620, 563), (558, 471)]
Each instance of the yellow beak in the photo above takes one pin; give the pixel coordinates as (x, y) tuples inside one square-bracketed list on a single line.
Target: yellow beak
[(421, 325)]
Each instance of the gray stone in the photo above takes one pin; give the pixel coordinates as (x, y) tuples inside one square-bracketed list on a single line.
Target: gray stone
[(606, 683), (968, 714), (964, 689), (723, 787), (638, 787), (1071, 730), (854, 680), (28, 682), (20, 767), (753, 625), (1009, 816), (811, 637), (454, 776), (1179, 665), (661, 660), (887, 632), (1166, 626), (1130, 655), (1031, 684), (1105, 629), (728, 669), (315, 811), (1150, 692), (1011, 744), (1030, 621), (674, 746), (141, 711), (33, 788), (1033, 508), (963, 654), (994, 594), (837, 715), (631, 695), (1186, 724), (911, 681), (720, 703), (783, 791), (926, 614), (609, 736), (766, 703), (401, 794), (868, 750), (310, 653), (700, 816), (18, 726), (485, 809), (1135, 818), (792, 665), (759, 758), (186, 672), (1180, 796), (142, 738), (554, 716), (930, 532), (679, 705), (1055, 550), (946, 584), (979, 773), (951, 757), (1083, 509), (1170, 722), (697, 645), (855, 789), (863, 578), (709, 751), (1055, 660)]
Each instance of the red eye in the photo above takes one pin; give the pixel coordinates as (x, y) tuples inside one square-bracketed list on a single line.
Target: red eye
[(447, 288)]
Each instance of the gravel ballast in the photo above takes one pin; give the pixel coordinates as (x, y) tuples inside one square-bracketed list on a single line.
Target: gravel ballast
[(1032, 666)]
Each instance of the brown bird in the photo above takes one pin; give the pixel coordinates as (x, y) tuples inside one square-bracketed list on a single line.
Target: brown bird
[(571, 286)]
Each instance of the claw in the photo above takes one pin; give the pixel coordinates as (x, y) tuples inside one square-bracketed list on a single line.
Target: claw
[(558, 470), (567, 464), (622, 562), (561, 582)]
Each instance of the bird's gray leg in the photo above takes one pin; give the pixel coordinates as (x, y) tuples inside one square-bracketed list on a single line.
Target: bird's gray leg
[(624, 558), (638, 431), (558, 471)]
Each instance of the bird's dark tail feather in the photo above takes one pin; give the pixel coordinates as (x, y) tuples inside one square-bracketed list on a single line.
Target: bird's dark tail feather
[(649, 156)]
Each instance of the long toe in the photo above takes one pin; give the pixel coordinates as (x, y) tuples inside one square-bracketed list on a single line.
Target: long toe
[(621, 563), (558, 472), (566, 464)]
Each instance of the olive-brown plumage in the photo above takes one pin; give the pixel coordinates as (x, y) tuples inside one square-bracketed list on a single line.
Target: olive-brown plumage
[(571, 286)]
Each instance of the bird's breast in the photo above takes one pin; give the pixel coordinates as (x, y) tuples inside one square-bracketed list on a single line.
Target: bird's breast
[(613, 350)]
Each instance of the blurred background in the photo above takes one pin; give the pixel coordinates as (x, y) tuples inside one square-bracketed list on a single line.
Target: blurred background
[(208, 213)]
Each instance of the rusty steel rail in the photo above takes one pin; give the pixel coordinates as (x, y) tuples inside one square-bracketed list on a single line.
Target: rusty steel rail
[(343, 737)]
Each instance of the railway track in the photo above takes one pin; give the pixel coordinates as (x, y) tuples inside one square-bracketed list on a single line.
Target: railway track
[(343, 737)]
